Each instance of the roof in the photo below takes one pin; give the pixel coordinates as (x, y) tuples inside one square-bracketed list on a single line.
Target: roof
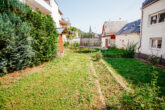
[(60, 12), (148, 2), (112, 27), (133, 27)]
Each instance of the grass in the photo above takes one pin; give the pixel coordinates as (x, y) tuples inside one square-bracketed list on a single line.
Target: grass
[(137, 72), (112, 91), (65, 83), (112, 52), (68, 83)]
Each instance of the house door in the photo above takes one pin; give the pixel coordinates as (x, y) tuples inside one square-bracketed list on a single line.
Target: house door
[(106, 43)]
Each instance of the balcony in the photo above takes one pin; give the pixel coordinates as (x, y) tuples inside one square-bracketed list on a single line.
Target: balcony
[(42, 5), (64, 22)]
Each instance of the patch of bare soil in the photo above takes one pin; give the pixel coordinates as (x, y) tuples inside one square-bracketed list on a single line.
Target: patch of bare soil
[(11, 78)]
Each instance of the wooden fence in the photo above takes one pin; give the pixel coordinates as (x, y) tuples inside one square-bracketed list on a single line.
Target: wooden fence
[(90, 42)]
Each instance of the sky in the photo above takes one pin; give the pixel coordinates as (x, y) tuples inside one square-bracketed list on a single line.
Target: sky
[(85, 13)]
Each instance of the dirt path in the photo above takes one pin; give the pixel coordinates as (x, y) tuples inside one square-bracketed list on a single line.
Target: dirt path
[(98, 87)]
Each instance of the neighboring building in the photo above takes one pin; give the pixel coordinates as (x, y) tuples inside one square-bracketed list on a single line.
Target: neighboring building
[(51, 7), (129, 34), (153, 28), (109, 30)]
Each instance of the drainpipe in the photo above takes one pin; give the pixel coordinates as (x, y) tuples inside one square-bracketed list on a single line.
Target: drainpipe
[(141, 29)]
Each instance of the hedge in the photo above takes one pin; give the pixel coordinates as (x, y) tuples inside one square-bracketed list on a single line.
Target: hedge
[(27, 37)]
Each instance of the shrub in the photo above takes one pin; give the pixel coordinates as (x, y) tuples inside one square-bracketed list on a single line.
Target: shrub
[(129, 51), (16, 50), (97, 56), (154, 59), (42, 30), (113, 47), (76, 45), (145, 97), (66, 44)]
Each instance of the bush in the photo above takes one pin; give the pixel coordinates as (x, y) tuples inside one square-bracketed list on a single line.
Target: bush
[(113, 47), (145, 97), (97, 56), (76, 45), (129, 51), (154, 59), (66, 44), (37, 26), (16, 43)]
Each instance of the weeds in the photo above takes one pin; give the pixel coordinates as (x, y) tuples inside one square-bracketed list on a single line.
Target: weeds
[(145, 97), (129, 51)]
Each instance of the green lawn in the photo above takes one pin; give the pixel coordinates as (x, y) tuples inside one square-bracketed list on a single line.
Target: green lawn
[(136, 71), (65, 83)]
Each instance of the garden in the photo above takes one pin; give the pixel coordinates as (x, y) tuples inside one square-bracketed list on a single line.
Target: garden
[(81, 79), (68, 82)]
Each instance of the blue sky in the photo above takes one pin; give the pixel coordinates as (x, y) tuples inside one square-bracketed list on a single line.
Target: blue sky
[(86, 13)]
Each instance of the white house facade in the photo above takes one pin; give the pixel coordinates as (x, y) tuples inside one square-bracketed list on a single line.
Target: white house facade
[(48, 7), (129, 34), (124, 39), (153, 28)]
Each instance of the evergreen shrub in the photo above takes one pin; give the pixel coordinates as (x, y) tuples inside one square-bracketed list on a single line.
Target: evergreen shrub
[(33, 30), (16, 43)]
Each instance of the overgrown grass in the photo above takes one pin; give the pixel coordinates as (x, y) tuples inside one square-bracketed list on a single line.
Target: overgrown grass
[(136, 71), (65, 83), (112, 91)]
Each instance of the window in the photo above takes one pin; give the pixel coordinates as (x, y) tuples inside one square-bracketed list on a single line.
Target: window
[(156, 43), (157, 18), (159, 44), (153, 43), (154, 19), (162, 17)]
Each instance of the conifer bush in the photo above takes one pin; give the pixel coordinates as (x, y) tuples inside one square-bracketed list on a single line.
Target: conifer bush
[(16, 50), (28, 38)]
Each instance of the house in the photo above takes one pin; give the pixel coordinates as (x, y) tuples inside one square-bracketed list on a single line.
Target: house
[(51, 7), (153, 28), (129, 34), (109, 30)]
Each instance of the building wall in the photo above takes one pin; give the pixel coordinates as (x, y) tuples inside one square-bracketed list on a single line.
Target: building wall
[(104, 40), (55, 13), (51, 9), (152, 31), (123, 40)]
